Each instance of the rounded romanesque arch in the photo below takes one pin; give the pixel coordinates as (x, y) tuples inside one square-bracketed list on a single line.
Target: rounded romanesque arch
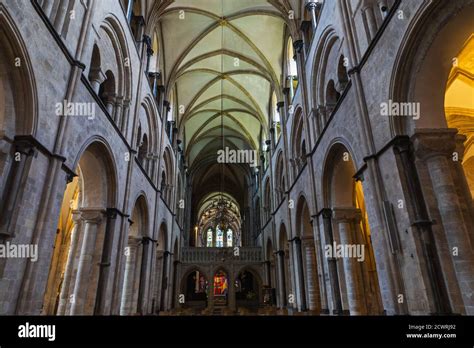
[(81, 237), (349, 234), (18, 113), (298, 145), (248, 288), (432, 80), (195, 287), (109, 71)]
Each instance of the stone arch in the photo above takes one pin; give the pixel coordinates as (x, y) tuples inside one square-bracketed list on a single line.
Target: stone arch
[(146, 132), (248, 295), (112, 75), (81, 241), (325, 76), (18, 94), (427, 49), (325, 64), (196, 297), (18, 117), (167, 175), (101, 173), (427, 65), (298, 146), (221, 284), (344, 196), (280, 178)]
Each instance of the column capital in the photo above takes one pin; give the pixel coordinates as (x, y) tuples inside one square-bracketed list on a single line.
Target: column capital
[(134, 241), (430, 143), (460, 140), (349, 214), (92, 215), (76, 216), (298, 46), (119, 100), (97, 75), (313, 5), (326, 213)]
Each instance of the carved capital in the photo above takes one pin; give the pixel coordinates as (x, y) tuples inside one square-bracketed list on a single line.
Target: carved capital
[(460, 140), (326, 213), (92, 215), (97, 75), (76, 216), (347, 215), (313, 5), (430, 143)]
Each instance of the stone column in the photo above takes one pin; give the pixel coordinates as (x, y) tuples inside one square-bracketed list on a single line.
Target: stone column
[(164, 282), (130, 10), (68, 272), (332, 263), (435, 147), (281, 278), (118, 113), (110, 104), (159, 280), (129, 278), (142, 295), (47, 7), (346, 218), (464, 191), (231, 293), (125, 118), (61, 16), (371, 21), (96, 78), (103, 298), (314, 6), (314, 299), (268, 275), (300, 273), (92, 219), (14, 188)]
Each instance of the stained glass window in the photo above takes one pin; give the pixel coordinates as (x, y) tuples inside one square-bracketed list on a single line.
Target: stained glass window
[(220, 284), (219, 238), (209, 238), (229, 237)]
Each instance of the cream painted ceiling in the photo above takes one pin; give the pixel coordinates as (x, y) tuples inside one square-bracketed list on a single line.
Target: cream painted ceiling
[(223, 60)]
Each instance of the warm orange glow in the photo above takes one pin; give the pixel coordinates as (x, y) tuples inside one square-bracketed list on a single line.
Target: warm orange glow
[(459, 104)]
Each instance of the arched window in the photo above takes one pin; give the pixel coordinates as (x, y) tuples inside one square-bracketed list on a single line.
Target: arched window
[(276, 118), (210, 238), (137, 21), (292, 69), (229, 238), (219, 238), (154, 61)]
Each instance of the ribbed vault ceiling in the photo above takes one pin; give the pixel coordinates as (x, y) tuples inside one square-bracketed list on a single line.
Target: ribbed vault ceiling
[(223, 59)]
